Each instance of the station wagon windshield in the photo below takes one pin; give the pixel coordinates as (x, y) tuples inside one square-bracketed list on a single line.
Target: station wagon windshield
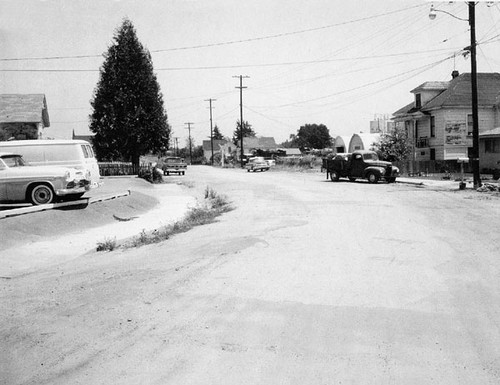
[(14, 161)]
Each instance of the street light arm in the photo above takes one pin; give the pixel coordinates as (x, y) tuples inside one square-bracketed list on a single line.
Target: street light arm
[(432, 14)]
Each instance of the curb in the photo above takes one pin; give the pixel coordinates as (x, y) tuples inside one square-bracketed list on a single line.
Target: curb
[(412, 183), (34, 209)]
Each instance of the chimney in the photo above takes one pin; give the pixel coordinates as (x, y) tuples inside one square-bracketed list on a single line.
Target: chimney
[(454, 74)]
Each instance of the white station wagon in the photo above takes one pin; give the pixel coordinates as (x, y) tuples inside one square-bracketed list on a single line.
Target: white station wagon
[(20, 182)]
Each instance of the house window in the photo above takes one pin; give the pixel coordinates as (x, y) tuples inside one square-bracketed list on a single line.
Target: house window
[(407, 127), (433, 127), (416, 129), (433, 154), (470, 124), (492, 145), (418, 100)]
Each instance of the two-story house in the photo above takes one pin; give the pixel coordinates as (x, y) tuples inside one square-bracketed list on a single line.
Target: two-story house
[(439, 120)]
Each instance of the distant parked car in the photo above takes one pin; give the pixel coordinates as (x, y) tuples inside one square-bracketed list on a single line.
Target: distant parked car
[(20, 182), (172, 165), (257, 163)]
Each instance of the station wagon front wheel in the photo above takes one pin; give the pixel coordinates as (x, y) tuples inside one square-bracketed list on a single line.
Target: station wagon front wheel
[(41, 194)]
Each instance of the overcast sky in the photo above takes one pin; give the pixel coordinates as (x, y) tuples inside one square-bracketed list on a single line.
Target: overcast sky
[(333, 62)]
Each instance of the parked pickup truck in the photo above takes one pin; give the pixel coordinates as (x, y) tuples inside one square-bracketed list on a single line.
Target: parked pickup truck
[(172, 165), (360, 164)]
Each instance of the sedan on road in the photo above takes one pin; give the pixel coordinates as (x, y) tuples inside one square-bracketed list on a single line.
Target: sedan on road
[(257, 164)]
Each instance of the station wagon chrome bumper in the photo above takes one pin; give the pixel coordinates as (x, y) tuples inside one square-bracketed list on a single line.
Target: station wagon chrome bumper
[(74, 187)]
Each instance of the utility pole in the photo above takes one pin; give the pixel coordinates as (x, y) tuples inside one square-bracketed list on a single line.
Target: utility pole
[(176, 146), (474, 155), (190, 146), (241, 113), (475, 114), (211, 130)]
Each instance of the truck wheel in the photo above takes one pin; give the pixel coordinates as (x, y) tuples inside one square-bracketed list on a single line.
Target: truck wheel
[(372, 177), (183, 172), (41, 194), (352, 179), (334, 176)]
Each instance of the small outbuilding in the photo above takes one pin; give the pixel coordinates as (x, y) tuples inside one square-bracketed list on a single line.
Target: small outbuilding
[(363, 141), (341, 144)]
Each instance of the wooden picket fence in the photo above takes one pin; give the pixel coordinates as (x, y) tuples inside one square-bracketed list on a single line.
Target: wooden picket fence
[(121, 168)]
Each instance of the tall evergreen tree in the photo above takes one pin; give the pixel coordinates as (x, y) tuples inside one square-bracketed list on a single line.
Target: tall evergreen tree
[(248, 132), (216, 135), (128, 117)]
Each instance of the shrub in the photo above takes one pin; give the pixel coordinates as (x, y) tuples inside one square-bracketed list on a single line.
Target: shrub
[(106, 245), (151, 174)]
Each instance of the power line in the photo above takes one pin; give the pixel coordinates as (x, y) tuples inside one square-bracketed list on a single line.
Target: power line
[(423, 68), (372, 57), (278, 35)]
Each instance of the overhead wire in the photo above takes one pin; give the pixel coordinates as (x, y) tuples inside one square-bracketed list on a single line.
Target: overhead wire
[(272, 36)]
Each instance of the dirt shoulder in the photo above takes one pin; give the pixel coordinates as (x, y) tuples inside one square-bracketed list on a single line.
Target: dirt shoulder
[(53, 236)]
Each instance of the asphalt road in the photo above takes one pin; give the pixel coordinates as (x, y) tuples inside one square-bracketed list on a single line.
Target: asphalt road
[(305, 282)]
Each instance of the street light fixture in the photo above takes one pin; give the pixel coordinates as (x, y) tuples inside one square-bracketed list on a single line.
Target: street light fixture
[(432, 14), (475, 116)]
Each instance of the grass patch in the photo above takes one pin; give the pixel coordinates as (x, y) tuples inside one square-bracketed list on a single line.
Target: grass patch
[(205, 212)]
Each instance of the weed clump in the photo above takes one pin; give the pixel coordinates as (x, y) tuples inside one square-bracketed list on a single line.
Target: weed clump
[(205, 212), (107, 245)]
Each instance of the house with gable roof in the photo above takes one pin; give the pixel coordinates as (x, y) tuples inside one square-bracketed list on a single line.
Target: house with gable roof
[(23, 116), (221, 147), (439, 119)]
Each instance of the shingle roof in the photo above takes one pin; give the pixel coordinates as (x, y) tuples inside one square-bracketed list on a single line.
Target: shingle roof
[(24, 108), (459, 91), (263, 143), (207, 146), (404, 110), (432, 86)]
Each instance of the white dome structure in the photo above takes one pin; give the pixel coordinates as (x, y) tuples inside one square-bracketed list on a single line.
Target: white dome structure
[(363, 141)]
